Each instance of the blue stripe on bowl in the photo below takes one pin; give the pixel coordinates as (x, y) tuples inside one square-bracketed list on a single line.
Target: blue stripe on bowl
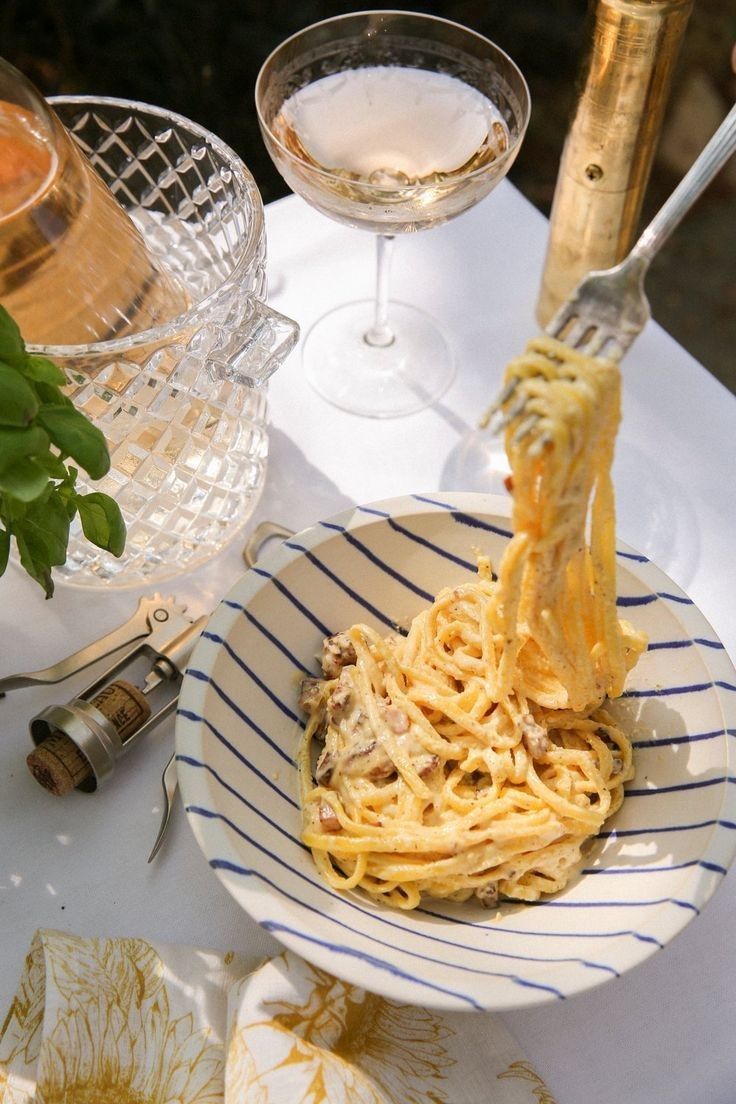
[(275, 641), (275, 927), (470, 520), (627, 870), (680, 787), (666, 691), (536, 933), (248, 671), (468, 565), (672, 741), (190, 716), (651, 830), (342, 585), (624, 600), (286, 593), (377, 561), (655, 901), (192, 672), (635, 556)]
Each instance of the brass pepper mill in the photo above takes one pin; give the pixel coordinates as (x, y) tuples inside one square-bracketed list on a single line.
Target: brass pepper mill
[(609, 150)]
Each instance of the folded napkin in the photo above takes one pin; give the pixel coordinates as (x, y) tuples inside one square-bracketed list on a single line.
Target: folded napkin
[(124, 1021)]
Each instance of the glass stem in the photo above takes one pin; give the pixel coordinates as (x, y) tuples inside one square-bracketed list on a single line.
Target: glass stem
[(380, 334)]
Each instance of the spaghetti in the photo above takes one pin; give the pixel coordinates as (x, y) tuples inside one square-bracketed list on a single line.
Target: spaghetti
[(475, 756)]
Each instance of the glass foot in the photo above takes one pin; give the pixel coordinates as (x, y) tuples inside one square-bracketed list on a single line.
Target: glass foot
[(377, 381)]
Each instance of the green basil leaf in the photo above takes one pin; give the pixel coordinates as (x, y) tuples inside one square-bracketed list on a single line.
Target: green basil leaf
[(25, 480), (50, 395), (67, 493), (4, 549), (76, 437), (18, 402), (51, 517), (52, 464), (12, 349), (33, 560), (15, 444), (42, 535), (11, 509), (46, 526), (42, 370), (102, 521)]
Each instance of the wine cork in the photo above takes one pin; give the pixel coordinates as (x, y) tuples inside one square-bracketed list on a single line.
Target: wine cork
[(125, 706), (58, 764)]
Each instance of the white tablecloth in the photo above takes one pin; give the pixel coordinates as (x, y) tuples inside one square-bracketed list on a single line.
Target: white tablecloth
[(663, 1032)]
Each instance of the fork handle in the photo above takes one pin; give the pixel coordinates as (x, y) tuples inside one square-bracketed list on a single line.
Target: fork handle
[(699, 175)]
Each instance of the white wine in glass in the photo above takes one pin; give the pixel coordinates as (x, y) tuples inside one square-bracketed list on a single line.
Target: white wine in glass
[(392, 122)]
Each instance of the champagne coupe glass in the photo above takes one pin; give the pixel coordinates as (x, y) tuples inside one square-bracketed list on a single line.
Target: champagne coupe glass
[(392, 122)]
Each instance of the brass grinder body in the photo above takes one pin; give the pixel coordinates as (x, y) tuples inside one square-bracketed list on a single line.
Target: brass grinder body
[(608, 153)]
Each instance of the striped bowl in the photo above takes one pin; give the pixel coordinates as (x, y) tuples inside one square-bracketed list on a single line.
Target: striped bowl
[(650, 871)]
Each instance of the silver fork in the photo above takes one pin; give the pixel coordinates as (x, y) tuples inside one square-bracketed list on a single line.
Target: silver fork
[(608, 308)]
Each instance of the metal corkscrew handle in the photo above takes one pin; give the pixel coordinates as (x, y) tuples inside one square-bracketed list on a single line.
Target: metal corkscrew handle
[(152, 613)]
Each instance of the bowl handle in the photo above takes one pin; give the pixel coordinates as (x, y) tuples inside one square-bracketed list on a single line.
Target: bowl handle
[(252, 351)]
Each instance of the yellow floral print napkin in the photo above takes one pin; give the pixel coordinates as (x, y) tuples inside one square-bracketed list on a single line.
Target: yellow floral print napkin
[(124, 1021)]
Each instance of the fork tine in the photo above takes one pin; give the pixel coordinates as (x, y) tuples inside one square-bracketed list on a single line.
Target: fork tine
[(617, 345), (562, 321), (538, 446), (515, 410), (492, 420), (496, 420), (494, 417), (584, 334), (575, 335), (594, 341), (525, 428), (507, 392)]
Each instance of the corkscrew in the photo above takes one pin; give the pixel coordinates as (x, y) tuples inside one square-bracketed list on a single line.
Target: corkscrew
[(78, 744)]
